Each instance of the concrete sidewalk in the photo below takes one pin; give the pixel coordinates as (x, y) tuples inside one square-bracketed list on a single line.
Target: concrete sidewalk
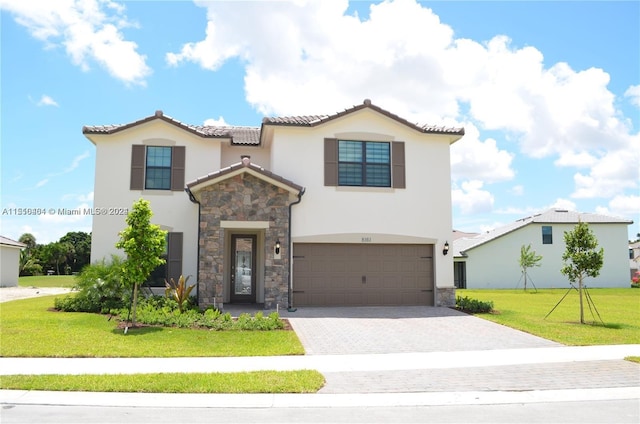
[(322, 363), (531, 375)]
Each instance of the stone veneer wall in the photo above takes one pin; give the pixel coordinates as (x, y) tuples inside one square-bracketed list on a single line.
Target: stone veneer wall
[(446, 296), (243, 198)]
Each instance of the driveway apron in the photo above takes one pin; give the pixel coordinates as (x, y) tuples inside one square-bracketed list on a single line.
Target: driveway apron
[(389, 330), (379, 330)]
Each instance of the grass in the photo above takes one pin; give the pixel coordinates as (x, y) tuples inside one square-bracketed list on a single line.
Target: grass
[(47, 281), (303, 381), (619, 309), (29, 329)]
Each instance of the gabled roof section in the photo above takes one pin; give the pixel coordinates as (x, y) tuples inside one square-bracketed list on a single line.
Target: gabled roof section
[(313, 120), (6, 241), (238, 168), (551, 216), (238, 135)]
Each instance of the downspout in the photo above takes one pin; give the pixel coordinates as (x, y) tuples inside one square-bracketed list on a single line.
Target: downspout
[(290, 307), (194, 200)]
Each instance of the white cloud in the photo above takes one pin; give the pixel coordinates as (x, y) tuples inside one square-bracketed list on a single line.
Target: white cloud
[(610, 175), (562, 204), (623, 206), (409, 62), (220, 122), (88, 30), (517, 190), (478, 160), (471, 199), (633, 93), (47, 101)]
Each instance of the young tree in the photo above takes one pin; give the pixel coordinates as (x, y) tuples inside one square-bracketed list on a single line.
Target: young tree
[(528, 259), (144, 244), (581, 257)]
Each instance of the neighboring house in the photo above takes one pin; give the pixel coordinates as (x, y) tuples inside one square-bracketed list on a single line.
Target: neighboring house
[(491, 260), (352, 208), (10, 261), (634, 258)]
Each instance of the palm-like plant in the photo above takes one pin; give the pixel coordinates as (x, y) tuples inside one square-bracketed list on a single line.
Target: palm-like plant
[(179, 292)]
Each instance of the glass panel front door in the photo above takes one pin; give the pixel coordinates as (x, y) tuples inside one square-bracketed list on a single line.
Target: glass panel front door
[(243, 266)]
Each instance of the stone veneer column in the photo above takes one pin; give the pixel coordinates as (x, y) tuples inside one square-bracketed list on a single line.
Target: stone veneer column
[(446, 296), (243, 198)]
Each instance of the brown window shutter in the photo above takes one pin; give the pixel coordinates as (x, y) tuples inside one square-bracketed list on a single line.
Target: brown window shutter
[(331, 161), (174, 256), (397, 165), (137, 167), (177, 168)]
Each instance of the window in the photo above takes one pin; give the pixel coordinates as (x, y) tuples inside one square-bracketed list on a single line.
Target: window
[(364, 163), (547, 235), (158, 168), (172, 268)]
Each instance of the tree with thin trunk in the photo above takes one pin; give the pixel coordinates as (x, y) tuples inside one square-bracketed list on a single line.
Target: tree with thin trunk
[(581, 258), (144, 243), (528, 259)]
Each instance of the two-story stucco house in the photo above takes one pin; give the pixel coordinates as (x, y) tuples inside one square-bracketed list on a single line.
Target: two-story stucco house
[(491, 260), (352, 208)]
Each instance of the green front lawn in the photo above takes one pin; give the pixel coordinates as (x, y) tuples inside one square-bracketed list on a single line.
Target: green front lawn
[(619, 309), (303, 381), (29, 328), (47, 281)]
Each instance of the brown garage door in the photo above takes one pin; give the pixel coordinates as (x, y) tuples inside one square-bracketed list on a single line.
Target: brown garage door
[(362, 274)]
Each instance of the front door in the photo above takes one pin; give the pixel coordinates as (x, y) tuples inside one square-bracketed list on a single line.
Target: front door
[(243, 268)]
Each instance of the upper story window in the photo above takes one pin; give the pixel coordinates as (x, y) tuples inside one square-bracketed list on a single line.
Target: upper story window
[(364, 163), (158, 168), (547, 234)]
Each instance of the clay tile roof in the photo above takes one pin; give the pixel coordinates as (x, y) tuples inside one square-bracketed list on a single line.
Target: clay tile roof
[(238, 135), (313, 120)]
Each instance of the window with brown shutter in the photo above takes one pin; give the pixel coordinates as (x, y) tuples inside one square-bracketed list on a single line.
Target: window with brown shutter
[(157, 167), (330, 162), (138, 153), (177, 168), (174, 256), (397, 165), (172, 268)]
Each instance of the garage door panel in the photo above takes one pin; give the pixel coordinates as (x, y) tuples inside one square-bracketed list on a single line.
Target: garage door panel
[(331, 274)]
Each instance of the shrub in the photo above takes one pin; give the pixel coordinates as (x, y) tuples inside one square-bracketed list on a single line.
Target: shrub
[(157, 310), (473, 306), (99, 289), (635, 280)]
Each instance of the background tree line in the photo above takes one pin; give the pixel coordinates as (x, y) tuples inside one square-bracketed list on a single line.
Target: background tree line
[(65, 256)]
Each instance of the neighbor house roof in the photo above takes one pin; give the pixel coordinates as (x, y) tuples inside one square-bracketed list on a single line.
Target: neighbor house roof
[(252, 135), (313, 120), (244, 166), (551, 216), (6, 241)]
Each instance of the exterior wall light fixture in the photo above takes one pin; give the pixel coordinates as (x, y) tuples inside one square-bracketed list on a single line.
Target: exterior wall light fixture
[(445, 248), (277, 247)]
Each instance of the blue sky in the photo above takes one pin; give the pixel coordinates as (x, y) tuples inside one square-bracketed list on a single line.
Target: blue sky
[(548, 92)]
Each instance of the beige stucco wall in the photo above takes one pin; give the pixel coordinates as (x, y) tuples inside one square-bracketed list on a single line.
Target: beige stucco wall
[(172, 210), (420, 213), (495, 264), (9, 265)]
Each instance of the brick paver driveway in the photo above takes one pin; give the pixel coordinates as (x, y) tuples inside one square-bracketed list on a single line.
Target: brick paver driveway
[(358, 330)]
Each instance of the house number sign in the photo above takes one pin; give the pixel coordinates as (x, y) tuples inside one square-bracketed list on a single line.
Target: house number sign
[(366, 239)]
